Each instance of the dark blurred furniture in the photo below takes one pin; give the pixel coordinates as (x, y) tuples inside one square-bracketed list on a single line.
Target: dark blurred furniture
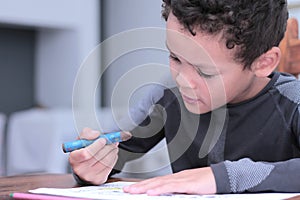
[(290, 49)]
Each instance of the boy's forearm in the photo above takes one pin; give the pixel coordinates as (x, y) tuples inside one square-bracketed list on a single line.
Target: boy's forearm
[(284, 178), (246, 175)]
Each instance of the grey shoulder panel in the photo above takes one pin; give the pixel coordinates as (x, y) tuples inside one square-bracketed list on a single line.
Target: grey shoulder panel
[(289, 87)]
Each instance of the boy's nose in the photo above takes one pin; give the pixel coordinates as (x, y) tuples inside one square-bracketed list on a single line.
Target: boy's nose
[(185, 80)]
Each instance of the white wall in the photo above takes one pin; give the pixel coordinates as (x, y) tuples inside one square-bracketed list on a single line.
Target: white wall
[(119, 16), (67, 31), (294, 11), (123, 18), (294, 8)]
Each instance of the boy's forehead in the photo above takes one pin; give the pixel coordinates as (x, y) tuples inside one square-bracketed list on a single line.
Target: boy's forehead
[(201, 49), (188, 48), (174, 24)]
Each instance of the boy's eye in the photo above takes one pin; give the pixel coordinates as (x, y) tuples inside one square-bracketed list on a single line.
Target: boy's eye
[(203, 74), (176, 59), (172, 57)]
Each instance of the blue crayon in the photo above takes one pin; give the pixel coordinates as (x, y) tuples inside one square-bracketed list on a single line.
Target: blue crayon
[(110, 138)]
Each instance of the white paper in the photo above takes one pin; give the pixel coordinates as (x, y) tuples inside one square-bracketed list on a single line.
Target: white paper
[(114, 191)]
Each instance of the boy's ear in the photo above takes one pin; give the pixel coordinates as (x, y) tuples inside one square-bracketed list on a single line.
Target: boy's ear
[(267, 62)]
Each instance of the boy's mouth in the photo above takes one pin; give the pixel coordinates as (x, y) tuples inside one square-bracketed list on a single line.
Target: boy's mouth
[(189, 100)]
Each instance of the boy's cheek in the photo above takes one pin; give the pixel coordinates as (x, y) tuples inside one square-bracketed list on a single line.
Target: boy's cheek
[(174, 73)]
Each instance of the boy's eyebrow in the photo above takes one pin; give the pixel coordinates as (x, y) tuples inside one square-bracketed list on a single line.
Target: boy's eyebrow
[(195, 65)]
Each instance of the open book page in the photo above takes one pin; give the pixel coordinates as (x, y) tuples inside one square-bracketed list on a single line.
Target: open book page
[(114, 191)]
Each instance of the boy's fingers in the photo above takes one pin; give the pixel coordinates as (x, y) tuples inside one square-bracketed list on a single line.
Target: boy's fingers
[(96, 147), (89, 134), (84, 154), (108, 161)]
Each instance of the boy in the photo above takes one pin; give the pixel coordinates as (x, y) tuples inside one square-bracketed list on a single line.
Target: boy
[(232, 124)]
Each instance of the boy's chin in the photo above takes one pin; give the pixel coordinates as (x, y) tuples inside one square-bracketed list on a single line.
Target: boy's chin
[(195, 109)]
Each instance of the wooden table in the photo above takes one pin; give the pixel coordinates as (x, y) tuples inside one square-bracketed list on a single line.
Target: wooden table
[(24, 183)]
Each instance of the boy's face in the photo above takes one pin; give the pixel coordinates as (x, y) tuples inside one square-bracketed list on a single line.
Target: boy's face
[(204, 70)]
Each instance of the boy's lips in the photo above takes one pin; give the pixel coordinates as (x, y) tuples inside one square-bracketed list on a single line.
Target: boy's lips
[(189, 99)]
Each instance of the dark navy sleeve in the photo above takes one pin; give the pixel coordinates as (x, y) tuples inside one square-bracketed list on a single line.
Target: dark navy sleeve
[(149, 115), (246, 175)]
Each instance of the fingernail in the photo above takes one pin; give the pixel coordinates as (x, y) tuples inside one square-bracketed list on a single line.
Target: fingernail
[(126, 188)]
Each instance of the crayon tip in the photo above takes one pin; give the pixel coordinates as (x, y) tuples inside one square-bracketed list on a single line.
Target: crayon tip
[(63, 147)]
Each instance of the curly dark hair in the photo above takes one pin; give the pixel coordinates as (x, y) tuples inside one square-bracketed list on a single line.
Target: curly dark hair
[(254, 26)]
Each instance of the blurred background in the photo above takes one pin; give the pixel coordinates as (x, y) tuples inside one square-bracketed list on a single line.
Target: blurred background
[(42, 46)]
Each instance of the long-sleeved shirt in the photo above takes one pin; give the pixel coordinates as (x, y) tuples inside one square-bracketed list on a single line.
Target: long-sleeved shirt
[(251, 146)]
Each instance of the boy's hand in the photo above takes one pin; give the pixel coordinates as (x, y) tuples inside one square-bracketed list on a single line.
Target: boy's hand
[(193, 181), (94, 162)]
